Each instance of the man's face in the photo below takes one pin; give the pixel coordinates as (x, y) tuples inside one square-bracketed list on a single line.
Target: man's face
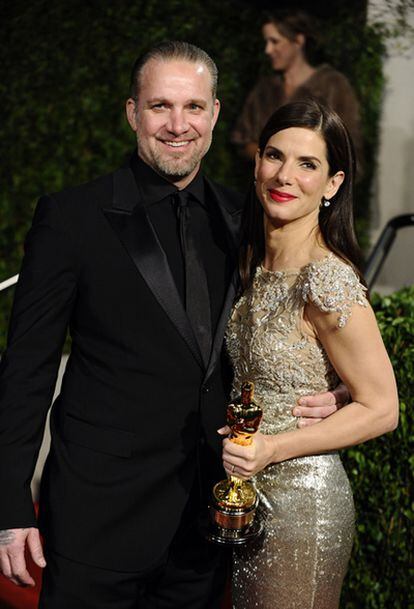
[(174, 117)]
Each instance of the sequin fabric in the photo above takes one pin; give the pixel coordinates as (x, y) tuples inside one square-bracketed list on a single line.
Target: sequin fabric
[(306, 503)]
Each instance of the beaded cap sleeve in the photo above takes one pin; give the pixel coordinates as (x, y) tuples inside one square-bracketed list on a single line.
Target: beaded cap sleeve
[(332, 286)]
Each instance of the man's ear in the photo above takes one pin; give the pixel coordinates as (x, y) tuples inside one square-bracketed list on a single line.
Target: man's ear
[(130, 108), (216, 111)]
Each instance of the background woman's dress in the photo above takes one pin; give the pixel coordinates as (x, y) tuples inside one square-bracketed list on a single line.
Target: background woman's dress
[(306, 503)]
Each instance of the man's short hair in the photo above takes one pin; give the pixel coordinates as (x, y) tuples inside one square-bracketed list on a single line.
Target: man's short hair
[(168, 50)]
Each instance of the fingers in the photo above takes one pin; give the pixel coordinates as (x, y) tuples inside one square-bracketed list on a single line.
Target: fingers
[(314, 408), (236, 450), (320, 399), (239, 470), (5, 566), (308, 422), (12, 554), (224, 431), (238, 460), (314, 412), (19, 572), (35, 548), (322, 405)]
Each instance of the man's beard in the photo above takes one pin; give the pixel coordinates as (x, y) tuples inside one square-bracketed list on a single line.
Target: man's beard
[(170, 168)]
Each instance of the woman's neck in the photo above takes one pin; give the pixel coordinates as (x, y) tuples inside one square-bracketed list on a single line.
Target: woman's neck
[(297, 74), (292, 246)]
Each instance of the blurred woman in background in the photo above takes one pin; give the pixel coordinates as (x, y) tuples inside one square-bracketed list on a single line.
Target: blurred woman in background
[(291, 43)]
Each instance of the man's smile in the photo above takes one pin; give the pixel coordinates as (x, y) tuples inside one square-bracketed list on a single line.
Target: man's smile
[(174, 144)]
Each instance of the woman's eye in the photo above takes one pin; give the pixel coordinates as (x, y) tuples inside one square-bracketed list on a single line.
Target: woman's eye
[(308, 165), (272, 155)]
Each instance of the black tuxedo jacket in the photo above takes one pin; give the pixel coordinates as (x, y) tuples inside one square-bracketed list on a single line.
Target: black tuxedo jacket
[(137, 404)]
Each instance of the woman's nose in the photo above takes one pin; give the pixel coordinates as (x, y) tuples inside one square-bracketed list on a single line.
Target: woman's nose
[(285, 174)]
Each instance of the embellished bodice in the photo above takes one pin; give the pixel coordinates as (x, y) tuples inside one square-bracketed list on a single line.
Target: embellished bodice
[(267, 341)]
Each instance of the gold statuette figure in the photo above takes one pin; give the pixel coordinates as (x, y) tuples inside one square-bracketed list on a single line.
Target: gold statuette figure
[(234, 501)]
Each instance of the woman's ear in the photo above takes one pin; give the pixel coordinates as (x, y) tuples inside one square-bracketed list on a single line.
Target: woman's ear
[(300, 40), (257, 159), (334, 182)]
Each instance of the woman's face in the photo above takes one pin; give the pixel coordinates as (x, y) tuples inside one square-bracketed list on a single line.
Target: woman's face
[(280, 50), (292, 176)]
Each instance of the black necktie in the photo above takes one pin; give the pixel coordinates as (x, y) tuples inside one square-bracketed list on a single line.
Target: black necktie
[(197, 300)]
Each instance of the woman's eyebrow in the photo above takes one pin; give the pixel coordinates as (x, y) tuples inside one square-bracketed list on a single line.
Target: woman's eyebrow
[(274, 149), (310, 158), (315, 159)]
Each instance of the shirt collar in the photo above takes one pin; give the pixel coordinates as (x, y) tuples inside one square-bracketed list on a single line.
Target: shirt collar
[(156, 188)]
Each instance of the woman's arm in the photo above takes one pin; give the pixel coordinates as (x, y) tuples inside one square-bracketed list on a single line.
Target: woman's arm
[(358, 354)]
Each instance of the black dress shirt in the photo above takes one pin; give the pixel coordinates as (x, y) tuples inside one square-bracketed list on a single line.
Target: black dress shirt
[(206, 222)]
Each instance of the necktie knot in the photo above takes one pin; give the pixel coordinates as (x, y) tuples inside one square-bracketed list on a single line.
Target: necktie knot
[(181, 200)]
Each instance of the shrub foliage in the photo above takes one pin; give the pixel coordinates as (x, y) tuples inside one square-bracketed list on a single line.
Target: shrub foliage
[(381, 474)]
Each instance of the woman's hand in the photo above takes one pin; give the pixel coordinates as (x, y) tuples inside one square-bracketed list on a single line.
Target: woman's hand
[(246, 461)]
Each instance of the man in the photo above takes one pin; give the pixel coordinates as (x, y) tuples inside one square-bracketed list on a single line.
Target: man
[(138, 265)]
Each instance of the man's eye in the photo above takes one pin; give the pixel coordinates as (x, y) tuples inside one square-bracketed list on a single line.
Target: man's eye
[(157, 106), (195, 107)]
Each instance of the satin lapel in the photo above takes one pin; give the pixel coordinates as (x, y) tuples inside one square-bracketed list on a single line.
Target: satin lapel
[(231, 219), (222, 324), (130, 221)]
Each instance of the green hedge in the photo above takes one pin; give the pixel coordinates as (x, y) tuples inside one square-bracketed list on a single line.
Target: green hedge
[(381, 573)]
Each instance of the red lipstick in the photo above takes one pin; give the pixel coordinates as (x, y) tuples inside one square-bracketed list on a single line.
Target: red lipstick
[(279, 196)]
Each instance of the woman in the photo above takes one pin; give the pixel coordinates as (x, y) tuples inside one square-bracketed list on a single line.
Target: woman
[(290, 44), (303, 320)]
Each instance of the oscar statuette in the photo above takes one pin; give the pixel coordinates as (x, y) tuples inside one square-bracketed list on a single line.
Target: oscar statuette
[(234, 501)]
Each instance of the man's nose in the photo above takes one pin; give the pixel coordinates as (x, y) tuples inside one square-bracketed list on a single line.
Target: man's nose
[(177, 122)]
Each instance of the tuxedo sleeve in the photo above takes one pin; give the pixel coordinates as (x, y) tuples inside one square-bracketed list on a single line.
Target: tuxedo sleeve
[(44, 299)]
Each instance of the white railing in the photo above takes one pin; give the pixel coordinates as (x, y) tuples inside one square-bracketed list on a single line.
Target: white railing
[(8, 282)]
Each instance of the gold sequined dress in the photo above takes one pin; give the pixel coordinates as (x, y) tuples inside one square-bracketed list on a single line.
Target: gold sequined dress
[(306, 503)]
